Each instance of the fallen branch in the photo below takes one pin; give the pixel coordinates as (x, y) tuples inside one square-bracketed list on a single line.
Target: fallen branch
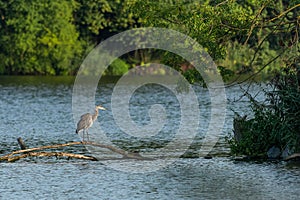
[(11, 157), (6, 157), (49, 154), (295, 156), (116, 150)]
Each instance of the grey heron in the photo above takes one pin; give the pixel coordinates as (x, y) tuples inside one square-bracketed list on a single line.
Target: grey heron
[(87, 120)]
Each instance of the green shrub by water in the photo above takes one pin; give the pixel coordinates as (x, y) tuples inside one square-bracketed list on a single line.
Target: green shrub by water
[(276, 121), (117, 68)]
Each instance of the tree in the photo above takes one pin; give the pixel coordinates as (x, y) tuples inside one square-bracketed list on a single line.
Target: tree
[(98, 19), (38, 37), (262, 29)]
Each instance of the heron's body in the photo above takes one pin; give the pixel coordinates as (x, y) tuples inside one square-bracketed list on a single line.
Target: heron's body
[(87, 120)]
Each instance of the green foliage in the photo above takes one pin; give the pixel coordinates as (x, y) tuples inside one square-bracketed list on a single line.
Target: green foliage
[(256, 135), (276, 122), (268, 47), (99, 19), (225, 73), (91, 15), (242, 36), (198, 19), (38, 38), (117, 68), (52, 37), (242, 59)]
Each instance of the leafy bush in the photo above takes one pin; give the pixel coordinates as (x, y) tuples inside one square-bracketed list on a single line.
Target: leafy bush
[(276, 121), (244, 59), (117, 68)]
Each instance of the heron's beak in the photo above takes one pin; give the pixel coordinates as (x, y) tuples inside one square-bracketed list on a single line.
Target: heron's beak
[(101, 107)]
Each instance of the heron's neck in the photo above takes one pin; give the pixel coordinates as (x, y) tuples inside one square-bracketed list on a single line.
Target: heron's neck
[(95, 115)]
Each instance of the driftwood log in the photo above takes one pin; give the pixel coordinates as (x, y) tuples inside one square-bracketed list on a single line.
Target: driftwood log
[(36, 152), (48, 154), (295, 156)]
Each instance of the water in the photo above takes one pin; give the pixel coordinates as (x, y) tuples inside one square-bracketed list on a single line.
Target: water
[(39, 110)]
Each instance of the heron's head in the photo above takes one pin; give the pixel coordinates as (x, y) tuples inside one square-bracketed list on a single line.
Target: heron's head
[(99, 107)]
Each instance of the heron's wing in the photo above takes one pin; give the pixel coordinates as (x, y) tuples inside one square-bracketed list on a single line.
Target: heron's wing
[(86, 115), (85, 121)]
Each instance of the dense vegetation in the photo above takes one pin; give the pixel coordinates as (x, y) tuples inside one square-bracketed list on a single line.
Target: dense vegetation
[(53, 37), (276, 121)]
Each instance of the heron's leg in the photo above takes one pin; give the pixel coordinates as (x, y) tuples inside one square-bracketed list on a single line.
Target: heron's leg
[(87, 134), (83, 135)]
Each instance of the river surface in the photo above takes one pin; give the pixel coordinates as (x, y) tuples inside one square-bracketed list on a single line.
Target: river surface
[(39, 109)]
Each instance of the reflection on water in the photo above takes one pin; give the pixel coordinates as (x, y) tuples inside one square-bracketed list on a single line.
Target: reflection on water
[(39, 110)]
